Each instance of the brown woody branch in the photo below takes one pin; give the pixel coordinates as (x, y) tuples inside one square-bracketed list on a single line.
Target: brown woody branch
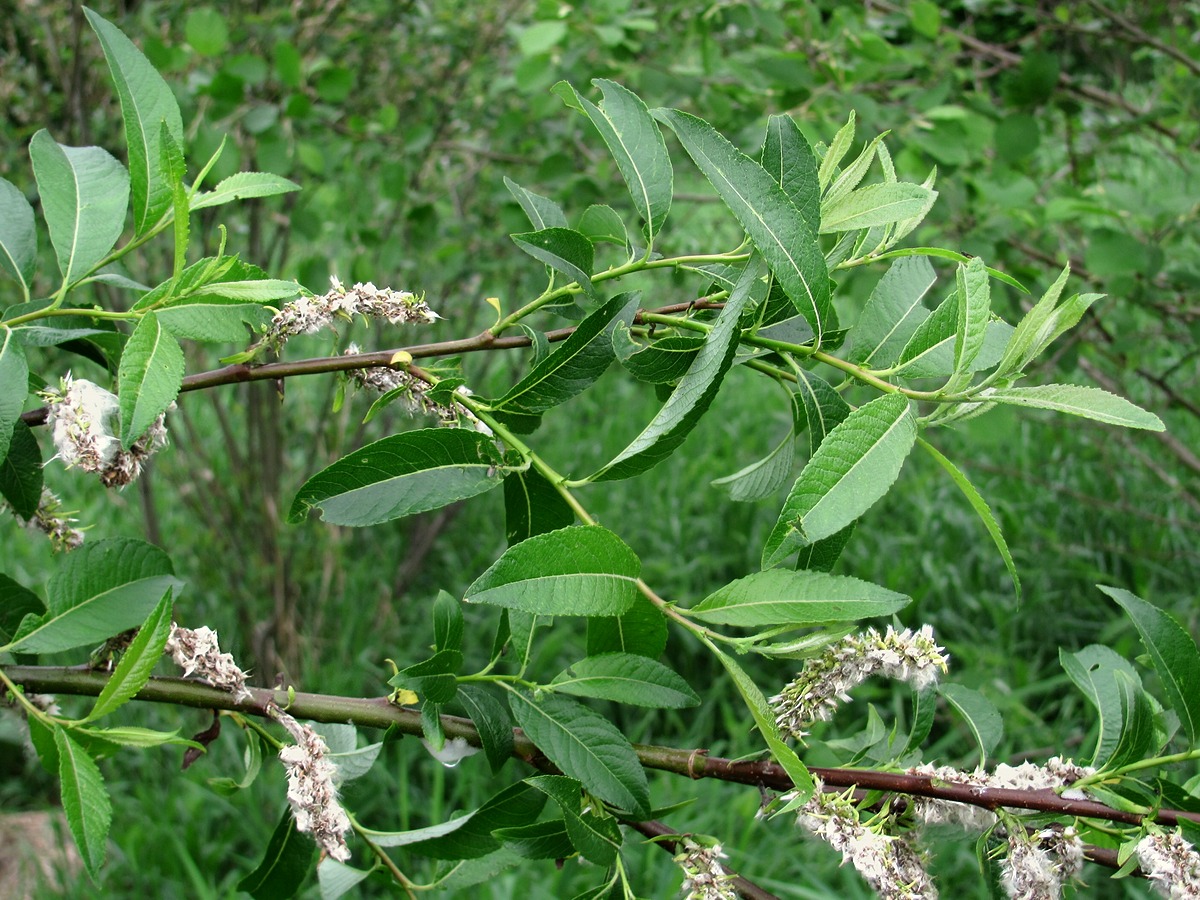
[(378, 712)]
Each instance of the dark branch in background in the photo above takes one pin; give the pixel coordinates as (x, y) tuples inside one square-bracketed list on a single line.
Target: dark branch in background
[(1007, 60), (238, 374), (379, 713)]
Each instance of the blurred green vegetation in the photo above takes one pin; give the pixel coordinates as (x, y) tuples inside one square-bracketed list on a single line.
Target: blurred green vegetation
[(1060, 133)]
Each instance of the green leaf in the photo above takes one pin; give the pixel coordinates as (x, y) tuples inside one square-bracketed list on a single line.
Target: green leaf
[(1173, 654), (874, 205), (146, 101), (243, 186), (1076, 400), (943, 253), (1138, 736), (636, 144), (14, 385), (447, 622), (664, 361), (516, 805), (929, 352), (781, 233), (852, 175), (195, 277), (532, 506), (602, 223), (1035, 331), (854, 466), (789, 159), (84, 800), (575, 364), (564, 250), (133, 736), (211, 319), (974, 311), (626, 678), (836, 151), (1094, 669), (585, 746), (100, 589), (432, 678), (821, 408), (174, 168), (149, 377), (16, 602), (337, 879), (577, 571), (695, 393), (401, 475), (137, 662), (493, 722), (893, 312), (641, 629), (543, 212), (980, 505), (540, 840), (18, 236), (764, 720), (261, 290), (285, 864), (21, 472), (796, 598), (822, 555), (979, 713), (597, 837), (84, 192), (763, 477)]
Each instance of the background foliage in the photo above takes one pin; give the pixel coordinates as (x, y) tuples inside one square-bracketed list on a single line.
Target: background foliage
[(1060, 133)]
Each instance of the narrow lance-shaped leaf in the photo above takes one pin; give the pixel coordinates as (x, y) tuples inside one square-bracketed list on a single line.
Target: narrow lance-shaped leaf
[(980, 505), (243, 186), (893, 313), (532, 506), (285, 863), (137, 662), (764, 720), (782, 597), (789, 159), (564, 250), (979, 713), (575, 364), (21, 473), (696, 390), (1173, 653), (1077, 400), (1094, 670), (84, 192), (595, 834), (854, 466), (146, 101), (99, 590), (852, 175), (84, 800), (149, 377), (403, 474), (626, 678), (636, 144), (974, 310), (576, 571), (586, 746), (875, 205), (820, 409), (14, 385), (493, 722), (18, 236), (786, 239), (543, 212)]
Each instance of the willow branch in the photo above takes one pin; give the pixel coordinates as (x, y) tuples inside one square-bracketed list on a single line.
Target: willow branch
[(378, 712), (484, 341)]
